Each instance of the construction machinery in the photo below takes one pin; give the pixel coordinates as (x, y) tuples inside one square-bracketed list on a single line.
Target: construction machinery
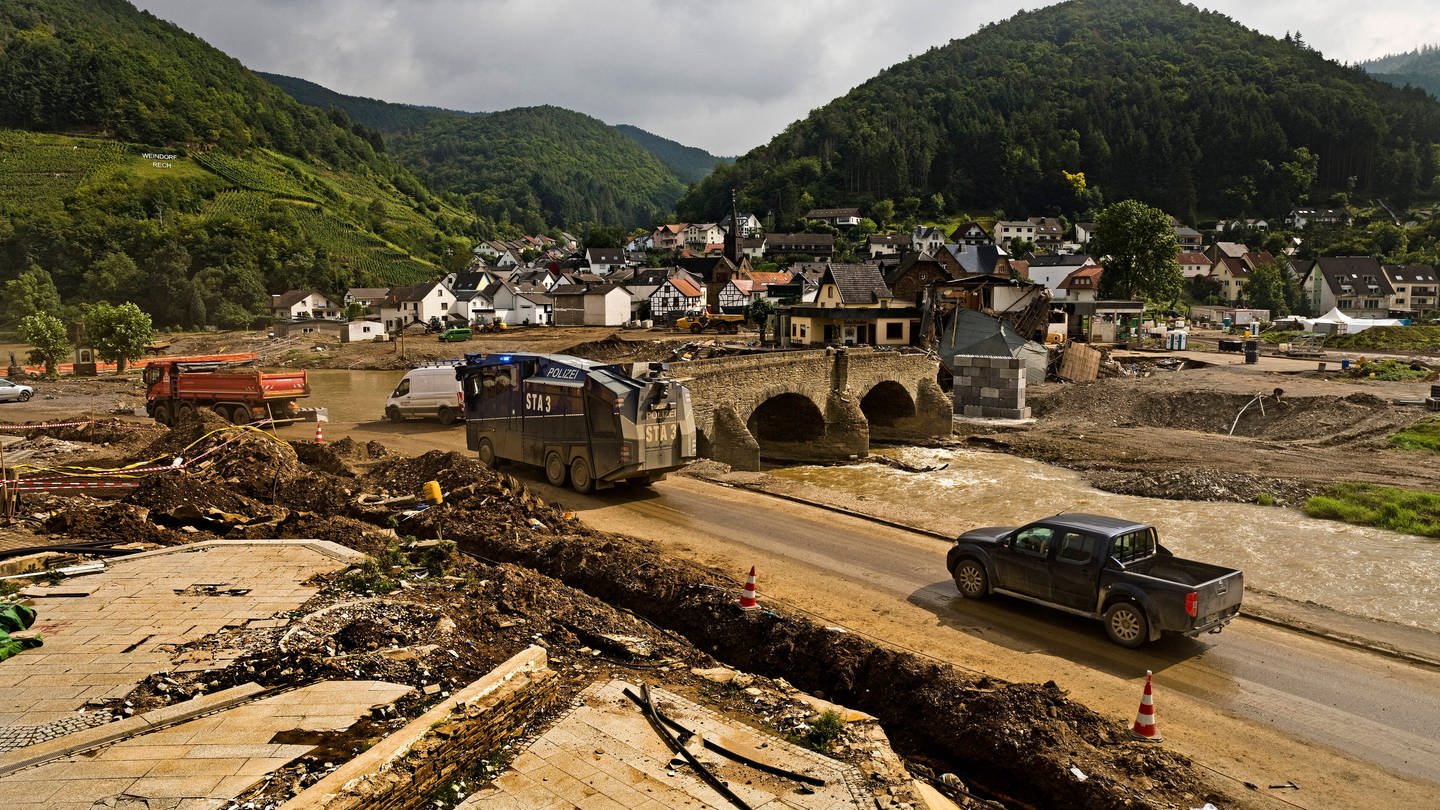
[(697, 322)]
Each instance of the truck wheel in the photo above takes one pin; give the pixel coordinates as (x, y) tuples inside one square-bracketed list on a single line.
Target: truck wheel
[(240, 415), (486, 451), (447, 416), (222, 411), (1125, 624), (580, 476), (393, 414), (183, 411), (163, 414), (971, 579), (696, 329), (555, 472)]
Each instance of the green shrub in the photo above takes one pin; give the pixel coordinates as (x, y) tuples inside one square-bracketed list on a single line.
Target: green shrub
[(824, 729)]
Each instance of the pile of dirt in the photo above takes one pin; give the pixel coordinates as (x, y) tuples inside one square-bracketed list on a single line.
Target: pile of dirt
[(598, 602), (1200, 484), (615, 349), (345, 457), (118, 522)]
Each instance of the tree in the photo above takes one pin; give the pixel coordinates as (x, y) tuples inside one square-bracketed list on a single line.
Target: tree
[(1139, 251), (882, 212), (1265, 289), (31, 292), (48, 342), (119, 333)]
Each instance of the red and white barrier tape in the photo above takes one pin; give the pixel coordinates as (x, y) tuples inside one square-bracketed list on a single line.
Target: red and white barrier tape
[(50, 425), (24, 485)]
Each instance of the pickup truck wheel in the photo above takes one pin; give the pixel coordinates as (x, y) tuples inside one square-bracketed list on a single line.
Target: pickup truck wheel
[(580, 476), (393, 414), (555, 472), (1125, 624), (486, 452), (447, 416), (971, 580)]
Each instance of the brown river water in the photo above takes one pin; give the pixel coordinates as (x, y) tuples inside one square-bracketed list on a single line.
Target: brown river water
[(1356, 570)]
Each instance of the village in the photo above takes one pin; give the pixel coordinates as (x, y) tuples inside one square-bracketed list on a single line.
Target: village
[(938, 350), (1034, 273)]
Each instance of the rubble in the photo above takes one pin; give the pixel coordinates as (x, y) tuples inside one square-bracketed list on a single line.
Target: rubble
[(422, 613)]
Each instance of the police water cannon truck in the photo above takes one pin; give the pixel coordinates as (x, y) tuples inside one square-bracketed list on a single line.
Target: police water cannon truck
[(586, 423)]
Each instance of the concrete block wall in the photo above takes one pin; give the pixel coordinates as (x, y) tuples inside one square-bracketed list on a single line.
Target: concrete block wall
[(991, 387), (404, 770)]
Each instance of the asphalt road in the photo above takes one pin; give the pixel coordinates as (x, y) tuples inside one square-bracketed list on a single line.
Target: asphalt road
[(1371, 707)]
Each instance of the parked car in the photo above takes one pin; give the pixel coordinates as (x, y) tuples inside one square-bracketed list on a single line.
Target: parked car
[(455, 334), (1105, 568), (15, 392)]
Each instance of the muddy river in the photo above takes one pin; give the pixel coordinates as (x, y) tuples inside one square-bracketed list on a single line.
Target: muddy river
[(1363, 571)]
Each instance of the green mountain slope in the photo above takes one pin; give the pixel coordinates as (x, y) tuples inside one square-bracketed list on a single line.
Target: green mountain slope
[(1417, 68), (1151, 99), (138, 163), (690, 163), (535, 166), (383, 116), (541, 165)]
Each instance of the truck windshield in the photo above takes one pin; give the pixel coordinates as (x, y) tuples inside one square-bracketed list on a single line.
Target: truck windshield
[(1133, 545)]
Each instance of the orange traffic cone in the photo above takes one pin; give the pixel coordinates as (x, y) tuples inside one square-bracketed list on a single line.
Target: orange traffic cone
[(1144, 727), (319, 434), (748, 599)]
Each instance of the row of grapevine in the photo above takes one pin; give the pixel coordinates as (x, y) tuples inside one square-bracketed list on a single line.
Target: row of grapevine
[(251, 175), (374, 261), (44, 167)]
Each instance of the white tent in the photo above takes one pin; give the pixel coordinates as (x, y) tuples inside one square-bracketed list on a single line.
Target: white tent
[(1337, 322)]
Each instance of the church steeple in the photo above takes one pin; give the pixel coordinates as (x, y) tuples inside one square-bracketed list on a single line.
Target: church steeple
[(732, 235)]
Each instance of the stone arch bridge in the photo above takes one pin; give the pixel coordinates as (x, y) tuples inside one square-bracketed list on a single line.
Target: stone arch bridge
[(819, 405)]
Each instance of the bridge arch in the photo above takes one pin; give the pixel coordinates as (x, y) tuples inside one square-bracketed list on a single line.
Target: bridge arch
[(785, 425), (886, 405)]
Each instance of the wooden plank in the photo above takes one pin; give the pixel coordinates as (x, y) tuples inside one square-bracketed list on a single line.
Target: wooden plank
[(1079, 364)]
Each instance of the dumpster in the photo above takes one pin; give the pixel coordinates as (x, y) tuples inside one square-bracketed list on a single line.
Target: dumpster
[(1232, 345), (1252, 352)]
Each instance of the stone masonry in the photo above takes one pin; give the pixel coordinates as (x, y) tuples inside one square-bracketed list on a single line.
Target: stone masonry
[(990, 387), (727, 391)]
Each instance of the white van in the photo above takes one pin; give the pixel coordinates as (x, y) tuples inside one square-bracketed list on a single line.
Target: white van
[(427, 391)]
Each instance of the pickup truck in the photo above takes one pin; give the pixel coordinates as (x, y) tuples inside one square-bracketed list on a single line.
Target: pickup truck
[(1102, 568)]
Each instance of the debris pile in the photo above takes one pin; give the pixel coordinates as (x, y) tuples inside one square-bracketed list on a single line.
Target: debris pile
[(603, 605)]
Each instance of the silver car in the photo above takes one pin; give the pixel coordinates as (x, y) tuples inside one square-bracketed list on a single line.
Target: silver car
[(10, 391)]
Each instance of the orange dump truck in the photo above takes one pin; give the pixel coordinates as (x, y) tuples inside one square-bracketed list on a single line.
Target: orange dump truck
[(239, 393)]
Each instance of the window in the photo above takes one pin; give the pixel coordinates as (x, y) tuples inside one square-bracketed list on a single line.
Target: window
[(402, 389), (1133, 545), (1075, 548), (1034, 541), (894, 331)]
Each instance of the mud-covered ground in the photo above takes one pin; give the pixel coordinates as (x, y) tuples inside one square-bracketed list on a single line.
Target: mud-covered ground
[(601, 603), (1221, 434)]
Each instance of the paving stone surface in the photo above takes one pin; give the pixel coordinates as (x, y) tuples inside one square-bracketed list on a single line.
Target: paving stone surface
[(99, 646), (604, 754), (201, 763)]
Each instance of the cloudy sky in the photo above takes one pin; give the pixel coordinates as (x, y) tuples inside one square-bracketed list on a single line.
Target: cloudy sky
[(725, 76)]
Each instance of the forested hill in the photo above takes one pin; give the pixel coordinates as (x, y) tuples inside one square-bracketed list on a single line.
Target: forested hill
[(1417, 68), (383, 116), (1151, 99), (690, 163), (531, 166), (139, 163)]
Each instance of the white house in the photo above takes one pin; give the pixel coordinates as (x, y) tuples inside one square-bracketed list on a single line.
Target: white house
[(926, 239), (1193, 263), (303, 304), (735, 296), (361, 331), (675, 295), (1414, 286), (699, 234), (1051, 270), (417, 303), (603, 261), (1005, 230)]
